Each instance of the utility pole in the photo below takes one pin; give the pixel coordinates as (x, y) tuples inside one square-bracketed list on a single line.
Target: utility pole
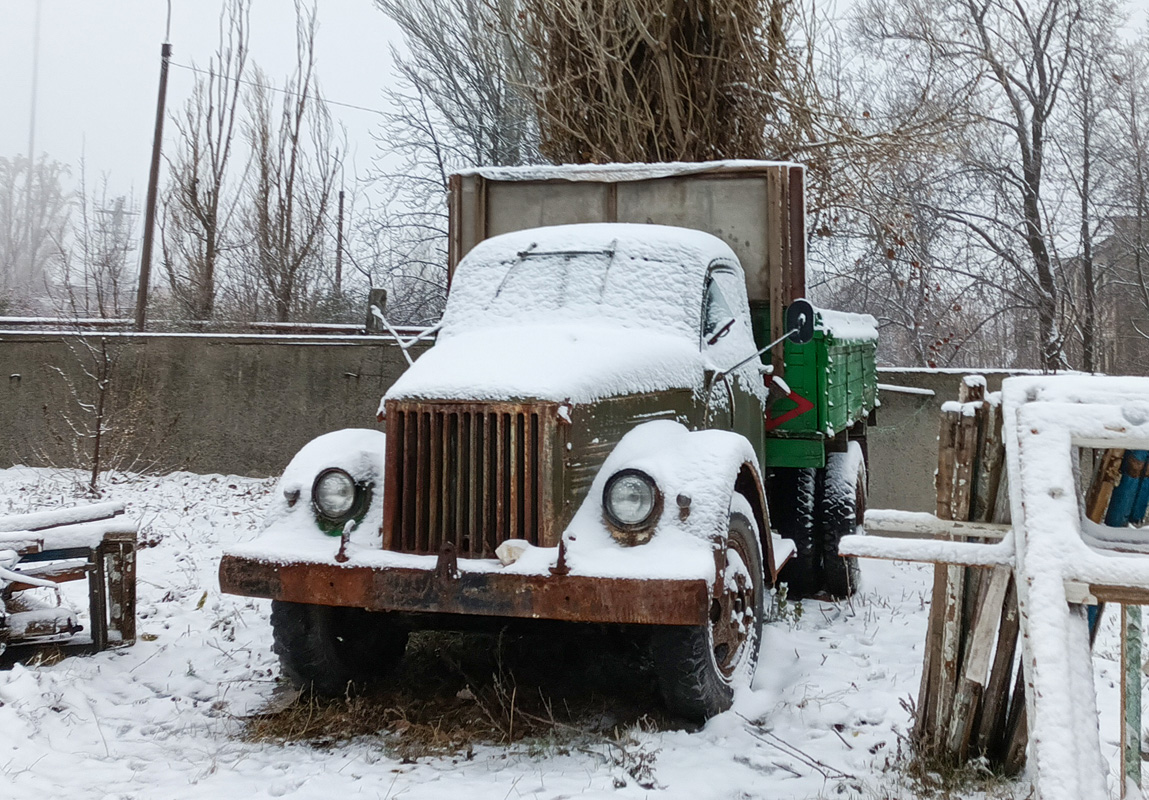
[(153, 180), (28, 188), (339, 250)]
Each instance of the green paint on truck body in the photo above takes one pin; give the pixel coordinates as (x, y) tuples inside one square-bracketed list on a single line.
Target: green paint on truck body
[(839, 376)]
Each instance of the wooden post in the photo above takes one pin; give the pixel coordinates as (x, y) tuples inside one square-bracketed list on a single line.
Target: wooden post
[(1130, 699)]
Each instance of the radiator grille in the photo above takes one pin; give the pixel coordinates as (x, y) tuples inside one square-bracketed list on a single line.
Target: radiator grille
[(473, 475)]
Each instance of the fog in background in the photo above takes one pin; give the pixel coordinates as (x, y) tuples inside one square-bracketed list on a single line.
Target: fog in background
[(99, 63)]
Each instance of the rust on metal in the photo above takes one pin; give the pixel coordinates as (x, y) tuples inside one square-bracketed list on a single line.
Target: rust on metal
[(573, 598), (447, 567), (474, 474), (560, 568), (344, 539)]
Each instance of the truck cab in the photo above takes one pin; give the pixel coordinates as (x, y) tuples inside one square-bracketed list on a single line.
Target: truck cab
[(597, 435)]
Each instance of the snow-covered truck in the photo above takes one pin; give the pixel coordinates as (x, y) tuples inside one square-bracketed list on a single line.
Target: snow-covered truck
[(626, 394)]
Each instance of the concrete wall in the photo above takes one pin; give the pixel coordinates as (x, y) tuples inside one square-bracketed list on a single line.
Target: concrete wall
[(229, 404), (245, 404), (904, 443)]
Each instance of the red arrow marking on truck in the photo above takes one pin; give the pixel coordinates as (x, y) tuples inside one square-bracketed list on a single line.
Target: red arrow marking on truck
[(801, 406)]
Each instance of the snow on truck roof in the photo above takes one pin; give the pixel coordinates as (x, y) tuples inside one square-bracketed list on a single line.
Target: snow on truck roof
[(610, 173), (640, 276)]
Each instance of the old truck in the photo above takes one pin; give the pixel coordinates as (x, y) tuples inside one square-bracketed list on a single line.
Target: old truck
[(626, 395)]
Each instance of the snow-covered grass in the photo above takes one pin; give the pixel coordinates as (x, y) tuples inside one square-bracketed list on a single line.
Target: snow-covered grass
[(167, 717)]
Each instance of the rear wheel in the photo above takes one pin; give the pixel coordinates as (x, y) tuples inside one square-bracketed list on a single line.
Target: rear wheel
[(699, 667), (793, 496), (843, 509), (331, 649)]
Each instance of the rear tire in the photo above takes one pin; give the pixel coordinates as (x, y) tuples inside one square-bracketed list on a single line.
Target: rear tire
[(843, 509), (331, 650), (699, 667), (793, 500)]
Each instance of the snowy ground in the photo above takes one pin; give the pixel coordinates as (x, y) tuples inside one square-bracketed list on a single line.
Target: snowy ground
[(161, 719)]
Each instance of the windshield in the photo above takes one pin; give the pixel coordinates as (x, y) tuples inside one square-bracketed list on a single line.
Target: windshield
[(538, 286)]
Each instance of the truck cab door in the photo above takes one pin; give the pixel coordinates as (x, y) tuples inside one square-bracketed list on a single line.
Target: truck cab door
[(736, 401)]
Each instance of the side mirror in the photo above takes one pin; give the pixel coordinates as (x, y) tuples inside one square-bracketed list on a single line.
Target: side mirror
[(800, 321)]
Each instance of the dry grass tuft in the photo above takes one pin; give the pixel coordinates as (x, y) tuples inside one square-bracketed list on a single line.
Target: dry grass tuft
[(908, 775), (551, 690)]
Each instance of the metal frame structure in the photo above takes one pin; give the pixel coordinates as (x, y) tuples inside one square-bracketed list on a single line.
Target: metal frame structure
[(93, 543)]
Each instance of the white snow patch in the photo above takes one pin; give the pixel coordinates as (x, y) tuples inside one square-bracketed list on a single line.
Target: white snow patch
[(845, 326), (161, 719)]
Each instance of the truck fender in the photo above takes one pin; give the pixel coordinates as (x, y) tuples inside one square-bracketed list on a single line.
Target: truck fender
[(697, 474), (358, 451)]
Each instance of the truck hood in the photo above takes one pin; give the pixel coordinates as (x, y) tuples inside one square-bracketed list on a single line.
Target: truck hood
[(580, 364)]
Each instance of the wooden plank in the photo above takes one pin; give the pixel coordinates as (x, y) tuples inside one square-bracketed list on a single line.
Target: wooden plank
[(995, 699), (985, 627), (966, 701), (43, 520), (966, 446), (947, 446), (98, 603), (1017, 731), (991, 456), (1105, 477), (926, 721), (949, 654)]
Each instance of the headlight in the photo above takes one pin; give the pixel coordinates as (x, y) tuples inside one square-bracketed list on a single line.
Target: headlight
[(334, 494), (631, 502)]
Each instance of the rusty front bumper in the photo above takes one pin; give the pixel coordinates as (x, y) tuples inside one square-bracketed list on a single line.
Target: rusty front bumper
[(576, 598)]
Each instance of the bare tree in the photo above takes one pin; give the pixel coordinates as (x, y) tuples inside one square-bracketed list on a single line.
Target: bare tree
[(290, 181), (198, 210), (1020, 53), (461, 100), (467, 79), (1095, 143), (652, 80), (96, 274), (34, 211)]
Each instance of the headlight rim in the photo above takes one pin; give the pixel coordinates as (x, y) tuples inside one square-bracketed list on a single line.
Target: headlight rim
[(632, 533), (358, 503)]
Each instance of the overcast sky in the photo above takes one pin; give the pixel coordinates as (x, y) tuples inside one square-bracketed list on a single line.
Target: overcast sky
[(99, 73)]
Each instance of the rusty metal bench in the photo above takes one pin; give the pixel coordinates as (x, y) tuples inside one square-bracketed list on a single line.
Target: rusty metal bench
[(52, 547)]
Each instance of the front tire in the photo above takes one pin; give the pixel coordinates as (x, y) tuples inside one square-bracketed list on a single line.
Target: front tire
[(331, 650), (699, 667)]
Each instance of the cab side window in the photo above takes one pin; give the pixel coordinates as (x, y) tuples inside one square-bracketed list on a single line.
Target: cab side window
[(719, 306)]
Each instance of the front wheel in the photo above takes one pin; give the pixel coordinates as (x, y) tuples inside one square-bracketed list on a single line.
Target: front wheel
[(699, 667), (331, 649)]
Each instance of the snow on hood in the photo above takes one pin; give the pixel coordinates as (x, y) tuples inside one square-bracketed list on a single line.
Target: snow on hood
[(571, 312), (579, 363)]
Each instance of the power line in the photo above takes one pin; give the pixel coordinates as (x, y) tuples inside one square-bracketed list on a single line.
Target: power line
[(284, 91)]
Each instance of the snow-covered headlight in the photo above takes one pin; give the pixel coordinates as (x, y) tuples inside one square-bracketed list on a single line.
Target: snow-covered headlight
[(334, 495), (631, 502)]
